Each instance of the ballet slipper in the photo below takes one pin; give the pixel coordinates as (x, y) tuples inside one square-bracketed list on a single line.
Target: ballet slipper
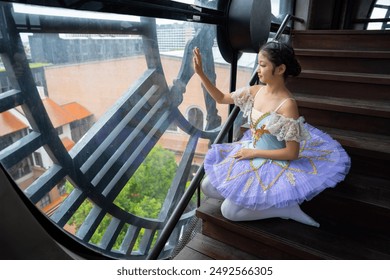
[(295, 213)]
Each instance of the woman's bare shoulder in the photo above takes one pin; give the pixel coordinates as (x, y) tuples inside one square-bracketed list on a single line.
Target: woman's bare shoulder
[(254, 89), (289, 108)]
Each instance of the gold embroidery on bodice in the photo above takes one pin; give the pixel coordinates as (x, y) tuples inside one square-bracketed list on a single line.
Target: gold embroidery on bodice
[(258, 132)]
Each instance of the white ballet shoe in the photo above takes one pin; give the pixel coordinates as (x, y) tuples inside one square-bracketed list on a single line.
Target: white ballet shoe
[(295, 213)]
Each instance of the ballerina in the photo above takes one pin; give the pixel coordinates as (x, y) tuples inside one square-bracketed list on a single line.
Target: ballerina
[(282, 160)]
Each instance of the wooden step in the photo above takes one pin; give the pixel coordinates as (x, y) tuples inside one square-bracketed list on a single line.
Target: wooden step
[(202, 247), (368, 192), (373, 62), (377, 108), (360, 202), (372, 192), (347, 121), (285, 239), (347, 76), (355, 221), (370, 153), (342, 84), (376, 145), (363, 40)]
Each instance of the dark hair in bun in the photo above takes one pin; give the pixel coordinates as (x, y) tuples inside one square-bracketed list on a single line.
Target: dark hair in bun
[(280, 53)]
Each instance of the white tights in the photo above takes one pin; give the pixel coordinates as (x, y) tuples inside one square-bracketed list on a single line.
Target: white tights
[(234, 212)]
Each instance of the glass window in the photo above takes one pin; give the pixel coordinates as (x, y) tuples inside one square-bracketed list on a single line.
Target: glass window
[(380, 11), (61, 189), (134, 120), (38, 159), (195, 117), (45, 201)]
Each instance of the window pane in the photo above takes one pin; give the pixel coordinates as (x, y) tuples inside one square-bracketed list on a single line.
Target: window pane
[(118, 118)]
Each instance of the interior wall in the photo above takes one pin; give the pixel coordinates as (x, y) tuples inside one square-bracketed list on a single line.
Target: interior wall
[(331, 14)]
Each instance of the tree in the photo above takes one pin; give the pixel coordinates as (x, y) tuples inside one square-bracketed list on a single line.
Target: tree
[(146, 190), (143, 195)]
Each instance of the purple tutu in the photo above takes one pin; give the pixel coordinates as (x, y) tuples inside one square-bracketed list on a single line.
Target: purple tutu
[(263, 183)]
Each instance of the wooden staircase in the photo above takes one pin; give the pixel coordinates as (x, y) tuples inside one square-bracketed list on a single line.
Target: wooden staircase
[(344, 90)]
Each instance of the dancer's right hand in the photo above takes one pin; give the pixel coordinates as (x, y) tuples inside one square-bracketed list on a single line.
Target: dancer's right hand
[(197, 59)]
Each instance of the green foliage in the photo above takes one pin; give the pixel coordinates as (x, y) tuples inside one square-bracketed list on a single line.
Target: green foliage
[(194, 200), (68, 187), (79, 216), (38, 64), (143, 195)]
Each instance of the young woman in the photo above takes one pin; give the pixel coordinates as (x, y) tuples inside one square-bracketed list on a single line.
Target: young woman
[(281, 161)]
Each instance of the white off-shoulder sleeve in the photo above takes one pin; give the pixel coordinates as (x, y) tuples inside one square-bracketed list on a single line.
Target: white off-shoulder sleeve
[(287, 129), (243, 98)]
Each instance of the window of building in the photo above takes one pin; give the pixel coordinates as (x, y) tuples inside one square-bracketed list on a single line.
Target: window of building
[(38, 159), (61, 189), (195, 117), (46, 200), (60, 130)]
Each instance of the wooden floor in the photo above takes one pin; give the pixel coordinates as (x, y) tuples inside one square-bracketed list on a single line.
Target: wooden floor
[(202, 247), (276, 239)]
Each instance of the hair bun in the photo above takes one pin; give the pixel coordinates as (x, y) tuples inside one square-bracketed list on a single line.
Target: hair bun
[(280, 53), (293, 67)]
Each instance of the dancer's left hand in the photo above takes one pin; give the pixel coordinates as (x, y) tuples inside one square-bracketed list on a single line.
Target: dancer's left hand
[(244, 154)]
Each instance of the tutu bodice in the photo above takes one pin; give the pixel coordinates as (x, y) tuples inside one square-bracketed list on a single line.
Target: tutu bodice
[(261, 138)]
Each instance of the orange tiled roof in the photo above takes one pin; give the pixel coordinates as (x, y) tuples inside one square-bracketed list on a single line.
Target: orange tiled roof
[(57, 114), (49, 209), (76, 110), (68, 143), (9, 123)]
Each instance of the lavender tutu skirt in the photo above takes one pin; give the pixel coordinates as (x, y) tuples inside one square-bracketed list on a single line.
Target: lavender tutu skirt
[(262, 183)]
